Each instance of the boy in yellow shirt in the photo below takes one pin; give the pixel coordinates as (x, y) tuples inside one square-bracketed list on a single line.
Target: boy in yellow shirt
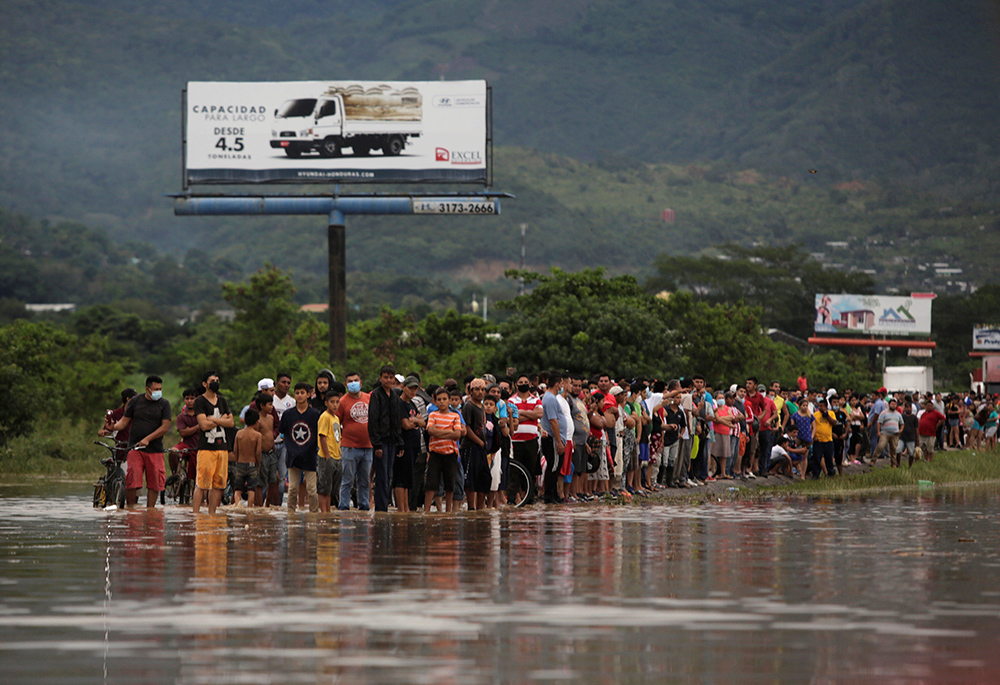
[(329, 469)]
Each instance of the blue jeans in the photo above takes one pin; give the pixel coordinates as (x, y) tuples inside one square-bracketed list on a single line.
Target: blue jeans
[(734, 451), (279, 453), (357, 463)]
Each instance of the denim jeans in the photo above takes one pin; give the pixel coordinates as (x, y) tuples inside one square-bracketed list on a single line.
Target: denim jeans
[(279, 452), (734, 451), (357, 463)]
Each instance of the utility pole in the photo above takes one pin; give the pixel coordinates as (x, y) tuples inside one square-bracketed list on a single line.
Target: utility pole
[(524, 228)]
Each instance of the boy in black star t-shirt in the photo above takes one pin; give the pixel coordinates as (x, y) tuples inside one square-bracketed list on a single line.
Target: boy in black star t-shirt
[(299, 427)]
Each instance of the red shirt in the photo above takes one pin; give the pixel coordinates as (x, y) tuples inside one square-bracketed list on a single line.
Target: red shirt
[(187, 420), (758, 404), (353, 414), (927, 425), (722, 429)]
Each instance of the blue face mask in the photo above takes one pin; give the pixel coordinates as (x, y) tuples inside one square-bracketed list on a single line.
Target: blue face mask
[(156, 394), (354, 387)]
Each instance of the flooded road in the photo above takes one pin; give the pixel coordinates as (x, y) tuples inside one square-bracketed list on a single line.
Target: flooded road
[(892, 589)]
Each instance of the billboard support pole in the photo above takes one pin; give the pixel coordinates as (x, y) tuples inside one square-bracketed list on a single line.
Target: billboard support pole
[(337, 265), (336, 208)]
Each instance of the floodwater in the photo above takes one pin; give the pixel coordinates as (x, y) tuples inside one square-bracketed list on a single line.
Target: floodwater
[(893, 589)]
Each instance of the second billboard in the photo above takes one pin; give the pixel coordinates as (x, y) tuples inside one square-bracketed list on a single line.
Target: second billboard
[(872, 314)]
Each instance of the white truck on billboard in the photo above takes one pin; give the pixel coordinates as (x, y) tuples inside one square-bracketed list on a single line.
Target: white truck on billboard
[(379, 118)]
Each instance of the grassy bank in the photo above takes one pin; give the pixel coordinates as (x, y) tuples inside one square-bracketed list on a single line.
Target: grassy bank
[(948, 467), (58, 450)]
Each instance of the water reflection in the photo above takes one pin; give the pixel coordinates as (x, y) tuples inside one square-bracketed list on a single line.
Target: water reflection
[(887, 589)]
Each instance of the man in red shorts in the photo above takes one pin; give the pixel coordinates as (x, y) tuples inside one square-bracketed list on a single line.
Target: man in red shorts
[(148, 416)]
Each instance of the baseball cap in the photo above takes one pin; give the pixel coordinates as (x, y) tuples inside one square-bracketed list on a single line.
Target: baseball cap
[(761, 387), (617, 390), (411, 382), (265, 384), (400, 378)]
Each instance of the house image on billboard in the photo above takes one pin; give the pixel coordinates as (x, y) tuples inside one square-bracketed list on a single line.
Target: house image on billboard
[(856, 320)]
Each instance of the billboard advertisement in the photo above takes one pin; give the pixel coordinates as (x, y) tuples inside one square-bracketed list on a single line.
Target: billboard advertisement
[(872, 314), (986, 336), (336, 132)]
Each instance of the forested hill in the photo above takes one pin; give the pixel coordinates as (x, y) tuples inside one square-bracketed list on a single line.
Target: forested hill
[(903, 92)]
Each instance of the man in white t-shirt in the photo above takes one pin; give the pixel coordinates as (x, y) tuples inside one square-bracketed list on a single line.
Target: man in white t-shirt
[(282, 401), (567, 436)]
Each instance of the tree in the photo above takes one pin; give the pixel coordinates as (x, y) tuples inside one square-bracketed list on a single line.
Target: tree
[(954, 317), (588, 323), (47, 372), (264, 314), (781, 280)]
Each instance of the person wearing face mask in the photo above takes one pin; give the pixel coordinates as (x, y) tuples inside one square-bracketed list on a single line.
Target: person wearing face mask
[(214, 418), (524, 442), (149, 418), (355, 445)]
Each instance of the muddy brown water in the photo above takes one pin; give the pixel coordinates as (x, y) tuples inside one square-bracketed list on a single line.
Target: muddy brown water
[(899, 588)]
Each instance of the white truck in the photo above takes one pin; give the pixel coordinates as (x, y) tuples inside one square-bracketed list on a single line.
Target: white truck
[(377, 119), (908, 378)]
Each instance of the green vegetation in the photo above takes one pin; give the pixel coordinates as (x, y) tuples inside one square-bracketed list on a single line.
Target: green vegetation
[(48, 373), (60, 449), (947, 467), (782, 281), (579, 321)]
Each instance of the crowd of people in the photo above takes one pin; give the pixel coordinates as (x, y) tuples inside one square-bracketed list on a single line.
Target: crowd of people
[(330, 444)]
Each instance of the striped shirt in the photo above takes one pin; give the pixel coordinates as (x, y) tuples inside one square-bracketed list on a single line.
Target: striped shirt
[(443, 420), (527, 429)]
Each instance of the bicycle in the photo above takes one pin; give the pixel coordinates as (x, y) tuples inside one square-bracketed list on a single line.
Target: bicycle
[(518, 481), (109, 490), (179, 487)]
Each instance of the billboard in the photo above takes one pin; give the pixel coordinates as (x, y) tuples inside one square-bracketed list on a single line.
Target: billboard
[(986, 336), (336, 132), (872, 314)]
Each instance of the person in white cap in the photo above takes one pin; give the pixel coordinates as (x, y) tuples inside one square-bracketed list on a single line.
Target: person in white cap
[(269, 493)]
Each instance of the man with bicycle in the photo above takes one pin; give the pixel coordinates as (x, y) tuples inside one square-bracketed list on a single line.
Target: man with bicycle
[(148, 416)]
